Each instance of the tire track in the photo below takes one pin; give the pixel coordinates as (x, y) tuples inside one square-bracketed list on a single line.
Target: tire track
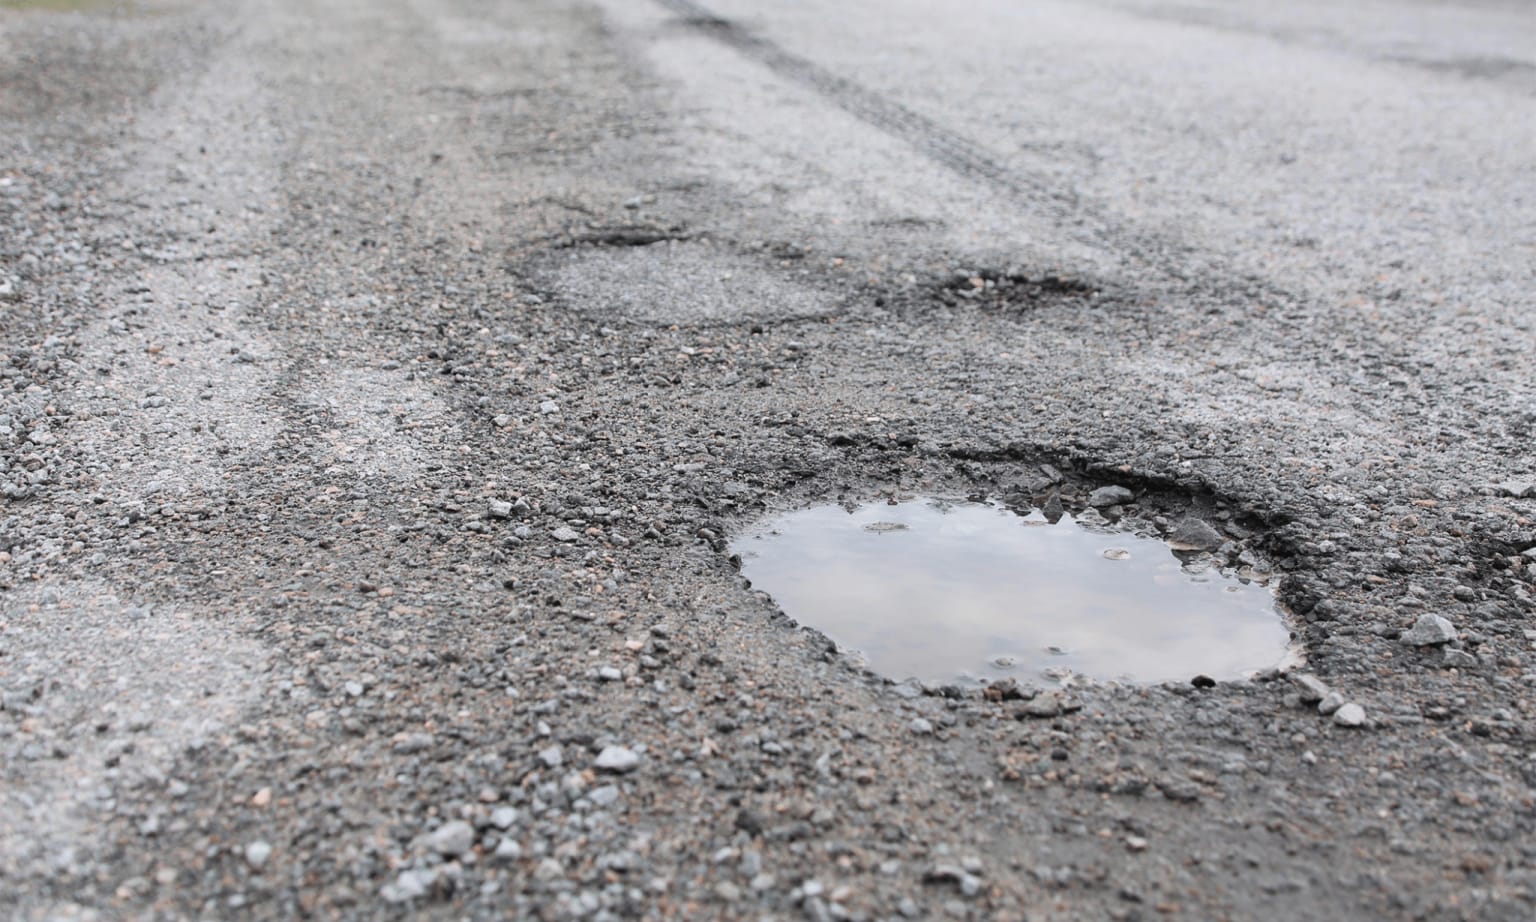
[(923, 134)]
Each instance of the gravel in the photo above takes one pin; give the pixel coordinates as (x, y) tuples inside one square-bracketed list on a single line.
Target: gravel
[(370, 458)]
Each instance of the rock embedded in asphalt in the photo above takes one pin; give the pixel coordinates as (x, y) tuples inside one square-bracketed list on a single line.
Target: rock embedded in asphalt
[(1105, 497), (451, 839), (619, 760), (257, 853), (1350, 715), (1195, 535), (1309, 688), (1429, 631)]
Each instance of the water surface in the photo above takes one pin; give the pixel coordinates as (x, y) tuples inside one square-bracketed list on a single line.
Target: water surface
[(939, 591)]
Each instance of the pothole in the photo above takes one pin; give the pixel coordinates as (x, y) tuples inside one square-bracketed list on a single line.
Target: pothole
[(942, 591), (670, 281)]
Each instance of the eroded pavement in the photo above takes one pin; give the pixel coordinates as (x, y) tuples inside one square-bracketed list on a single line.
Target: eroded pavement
[(382, 384)]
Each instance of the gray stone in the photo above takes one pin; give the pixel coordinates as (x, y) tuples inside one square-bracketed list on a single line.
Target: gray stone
[(1194, 535), (503, 817), (1429, 630), (921, 727), (549, 408), (257, 853), (610, 674), (617, 759), (605, 796), (499, 509), (1048, 704), (1519, 489), (551, 757), (451, 839), (565, 533), (1331, 703), (1309, 687), (969, 884), (1110, 496), (411, 884), (1350, 715), (507, 850), (1459, 659)]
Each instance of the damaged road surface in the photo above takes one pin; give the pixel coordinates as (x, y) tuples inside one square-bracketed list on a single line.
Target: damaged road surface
[(384, 386)]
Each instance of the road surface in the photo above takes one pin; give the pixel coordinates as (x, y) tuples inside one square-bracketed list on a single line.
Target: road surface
[(383, 386)]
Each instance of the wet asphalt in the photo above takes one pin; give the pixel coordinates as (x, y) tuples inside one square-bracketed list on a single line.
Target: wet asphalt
[(385, 388)]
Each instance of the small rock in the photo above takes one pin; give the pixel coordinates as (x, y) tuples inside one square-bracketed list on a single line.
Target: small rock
[(969, 884), (1194, 535), (610, 674), (1519, 489), (1048, 704), (409, 885), (549, 408), (410, 743), (503, 817), (1136, 843), (507, 850), (921, 727), (451, 839), (617, 759), (1459, 659), (1429, 630), (1350, 715), (565, 533), (1104, 497), (499, 509), (605, 796), (257, 853), (1330, 704), (1309, 687), (552, 757)]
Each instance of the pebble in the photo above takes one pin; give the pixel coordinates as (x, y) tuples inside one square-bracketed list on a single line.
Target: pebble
[(1048, 704), (451, 839), (499, 509), (1330, 704), (617, 759), (551, 757), (503, 817), (969, 884), (409, 885), (257, 853), (1350, 715), (1104, 497), (1194, 535), (921, 726), (1309, 687), (1459, 659), (1429, 630), (549, 408), (507, 850), (565, 533), (610, 674)]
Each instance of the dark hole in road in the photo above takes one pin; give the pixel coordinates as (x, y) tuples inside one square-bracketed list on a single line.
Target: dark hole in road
[(938, 591), (1008, 290)]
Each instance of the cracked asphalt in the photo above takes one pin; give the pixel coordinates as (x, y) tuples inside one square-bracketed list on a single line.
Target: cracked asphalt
[(383, 386)]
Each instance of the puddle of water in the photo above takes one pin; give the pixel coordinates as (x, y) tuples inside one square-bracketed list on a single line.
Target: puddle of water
[(937, 592)]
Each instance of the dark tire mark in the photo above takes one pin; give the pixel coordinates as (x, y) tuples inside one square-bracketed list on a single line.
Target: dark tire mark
[(923, 134)]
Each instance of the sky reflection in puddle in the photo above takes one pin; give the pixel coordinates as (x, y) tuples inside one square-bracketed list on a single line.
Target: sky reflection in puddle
[(938, 591)]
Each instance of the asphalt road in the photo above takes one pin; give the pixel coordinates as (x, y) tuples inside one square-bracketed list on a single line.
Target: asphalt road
[(383, 386)]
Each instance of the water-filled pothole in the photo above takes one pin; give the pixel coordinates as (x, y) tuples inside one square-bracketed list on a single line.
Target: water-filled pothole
[(944, 591)]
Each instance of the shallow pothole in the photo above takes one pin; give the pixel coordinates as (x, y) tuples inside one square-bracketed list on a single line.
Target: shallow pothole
[(942, 591)]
